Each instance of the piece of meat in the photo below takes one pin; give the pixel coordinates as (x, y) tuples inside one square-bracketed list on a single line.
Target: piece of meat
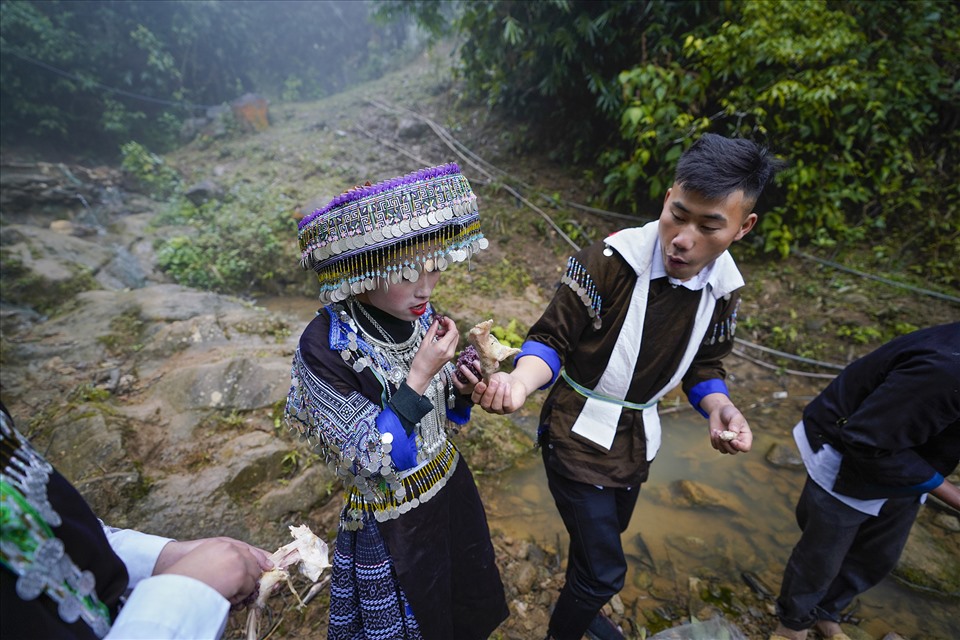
[(489, 350)]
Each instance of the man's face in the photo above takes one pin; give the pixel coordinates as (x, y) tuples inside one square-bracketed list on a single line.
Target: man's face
[(695, 231)]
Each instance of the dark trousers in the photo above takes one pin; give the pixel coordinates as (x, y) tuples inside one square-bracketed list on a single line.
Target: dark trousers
[(596, 566), (841, 553)]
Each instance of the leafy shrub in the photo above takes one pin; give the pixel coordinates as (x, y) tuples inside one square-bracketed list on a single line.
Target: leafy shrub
[(243, 244), (153, 174), (860, 98)]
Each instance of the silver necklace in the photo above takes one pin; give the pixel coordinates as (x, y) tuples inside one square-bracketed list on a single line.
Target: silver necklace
[(376, 325)]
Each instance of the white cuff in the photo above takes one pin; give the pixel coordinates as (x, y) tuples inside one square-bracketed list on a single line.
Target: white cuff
[(139, 551), (170, 606)]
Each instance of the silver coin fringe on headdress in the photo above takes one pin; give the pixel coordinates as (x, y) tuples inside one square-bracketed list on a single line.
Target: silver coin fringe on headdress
[(390, 231)]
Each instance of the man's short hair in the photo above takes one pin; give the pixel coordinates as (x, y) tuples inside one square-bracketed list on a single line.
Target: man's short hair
[(715, 166)]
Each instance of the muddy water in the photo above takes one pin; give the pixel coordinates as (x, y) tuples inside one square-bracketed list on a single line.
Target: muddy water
[(668, 544)]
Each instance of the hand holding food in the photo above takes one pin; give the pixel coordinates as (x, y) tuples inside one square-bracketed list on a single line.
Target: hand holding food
[(484, 353)]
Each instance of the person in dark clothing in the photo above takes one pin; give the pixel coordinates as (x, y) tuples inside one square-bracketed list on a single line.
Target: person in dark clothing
[(881, 436), (64, 574), (374, 388), (636, 314)]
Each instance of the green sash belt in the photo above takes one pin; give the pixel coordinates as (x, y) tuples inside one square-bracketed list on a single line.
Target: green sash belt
[(590, 393)]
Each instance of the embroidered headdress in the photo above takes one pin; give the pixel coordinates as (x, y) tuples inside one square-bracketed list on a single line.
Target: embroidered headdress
[(392, 230)]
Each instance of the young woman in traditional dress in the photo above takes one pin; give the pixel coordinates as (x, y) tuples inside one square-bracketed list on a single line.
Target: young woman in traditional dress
[(374, 390)]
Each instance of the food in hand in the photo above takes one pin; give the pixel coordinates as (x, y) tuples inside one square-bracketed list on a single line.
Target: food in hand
[(471, 359), (489, 350), (441, 324), (727, 436), (307, 549)]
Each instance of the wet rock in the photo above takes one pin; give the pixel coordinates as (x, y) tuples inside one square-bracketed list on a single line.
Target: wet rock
[(412, 129), (190, 505), (171, 302), (191, 128), (239, 384), (36, 185), (928, 563), (83, 437), (123, 271), (203, 500), (782, 456), (690, 494), (690, 545), (251, 459), (616, 604), (203, 191), (715, 627), (947, 522), (14, 319), (70, 228), (312, 487), (43, 269), (525, 576), (114, 494)]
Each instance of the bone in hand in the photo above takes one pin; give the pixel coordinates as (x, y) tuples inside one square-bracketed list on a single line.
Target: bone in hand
[(307, 549), (490, 350)]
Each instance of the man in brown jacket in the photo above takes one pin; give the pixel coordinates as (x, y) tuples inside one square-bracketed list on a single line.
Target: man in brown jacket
[(636, 314)]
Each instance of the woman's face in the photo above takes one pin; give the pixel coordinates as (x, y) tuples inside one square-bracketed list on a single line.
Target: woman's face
[(406, 300)]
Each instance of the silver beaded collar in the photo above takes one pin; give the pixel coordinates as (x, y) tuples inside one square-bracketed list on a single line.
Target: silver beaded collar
[(28, 546)]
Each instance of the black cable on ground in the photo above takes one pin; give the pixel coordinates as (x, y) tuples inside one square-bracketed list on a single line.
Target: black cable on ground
[(870, 276)]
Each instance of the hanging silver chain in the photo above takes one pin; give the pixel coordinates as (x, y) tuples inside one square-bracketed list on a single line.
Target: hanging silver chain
[(376, 325)]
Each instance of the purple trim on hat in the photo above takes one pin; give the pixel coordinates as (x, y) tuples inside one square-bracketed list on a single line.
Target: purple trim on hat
[(380, 187)]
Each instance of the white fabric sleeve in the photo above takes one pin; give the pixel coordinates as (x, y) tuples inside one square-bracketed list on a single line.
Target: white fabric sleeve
[(170, 606), (139, 551)]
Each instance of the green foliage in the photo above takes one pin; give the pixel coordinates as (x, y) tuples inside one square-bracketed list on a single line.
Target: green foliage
[(511, 336), (158, 178), (658, 121), (24, 286), (556, 62), (858, 97), (860, 334), (242, 244), (89, 75), (126, 333)]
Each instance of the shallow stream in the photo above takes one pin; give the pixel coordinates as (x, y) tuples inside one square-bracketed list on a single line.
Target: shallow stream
[(721, 545)]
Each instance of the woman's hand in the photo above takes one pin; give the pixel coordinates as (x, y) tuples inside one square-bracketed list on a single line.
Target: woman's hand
[(438, 347), (465, 388)]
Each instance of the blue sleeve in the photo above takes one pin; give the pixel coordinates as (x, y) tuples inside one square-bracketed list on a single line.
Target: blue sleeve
[(545, 353), (703, 389), (459, 415), (404, 447)]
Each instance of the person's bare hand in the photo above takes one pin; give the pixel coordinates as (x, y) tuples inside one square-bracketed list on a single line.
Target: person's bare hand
[(729, 431), (438, 347), (501, 394), (230, 567), (466, 388)]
